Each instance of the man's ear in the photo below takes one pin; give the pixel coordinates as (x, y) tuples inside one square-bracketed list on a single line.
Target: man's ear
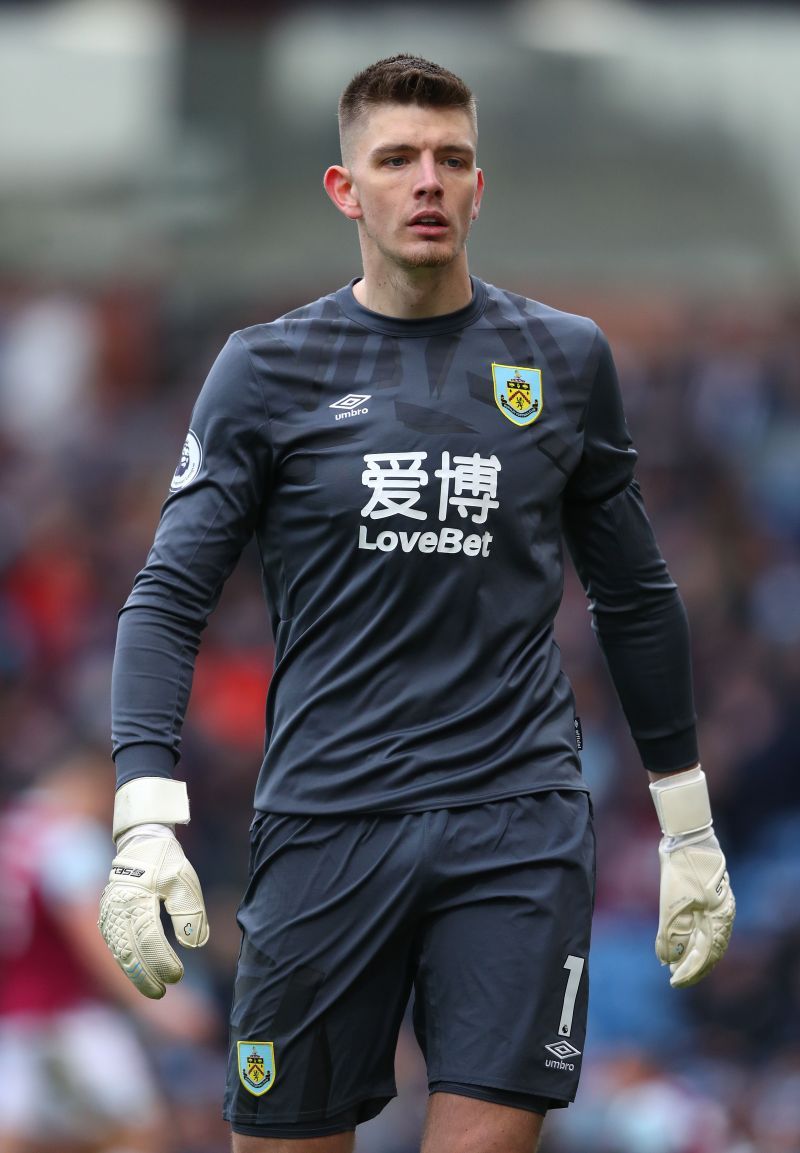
[(339, 186), (479, 187)]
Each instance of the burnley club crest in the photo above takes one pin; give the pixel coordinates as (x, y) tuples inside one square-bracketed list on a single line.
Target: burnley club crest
[(256, 1066), (518, 392)]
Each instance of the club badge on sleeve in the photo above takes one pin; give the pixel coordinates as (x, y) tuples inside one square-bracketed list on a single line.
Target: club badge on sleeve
[(256, 1066), (518, 392)]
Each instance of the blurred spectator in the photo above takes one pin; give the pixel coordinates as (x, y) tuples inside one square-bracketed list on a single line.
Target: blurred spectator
[(48, 363), (632, 1105), (74, 1074)]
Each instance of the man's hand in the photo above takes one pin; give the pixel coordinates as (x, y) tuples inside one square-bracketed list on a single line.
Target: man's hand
[(697, 906), (150, 867)]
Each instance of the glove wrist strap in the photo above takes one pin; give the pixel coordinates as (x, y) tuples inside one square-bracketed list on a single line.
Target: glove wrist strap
[(682, 803), (150, 800), (147, 830)]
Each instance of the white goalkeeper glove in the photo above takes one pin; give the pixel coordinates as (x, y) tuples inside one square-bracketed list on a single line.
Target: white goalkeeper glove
[(697, 905), (149, 868)]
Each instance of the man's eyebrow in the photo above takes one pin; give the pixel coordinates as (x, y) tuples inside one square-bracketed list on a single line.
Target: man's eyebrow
[(388, 149)]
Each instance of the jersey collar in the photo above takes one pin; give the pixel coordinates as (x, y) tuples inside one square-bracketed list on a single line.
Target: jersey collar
[(429, 326)]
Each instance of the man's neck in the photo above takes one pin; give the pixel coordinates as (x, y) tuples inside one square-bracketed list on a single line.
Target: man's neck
[(415, 294)]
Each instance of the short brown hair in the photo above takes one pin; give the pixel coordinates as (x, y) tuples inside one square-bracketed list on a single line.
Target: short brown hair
[(403, 79)]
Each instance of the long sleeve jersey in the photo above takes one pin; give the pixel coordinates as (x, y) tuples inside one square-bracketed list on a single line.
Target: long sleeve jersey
[(410, 484)]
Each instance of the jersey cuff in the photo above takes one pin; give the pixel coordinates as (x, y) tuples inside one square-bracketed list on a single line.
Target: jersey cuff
[(670, 754), (143, 760)]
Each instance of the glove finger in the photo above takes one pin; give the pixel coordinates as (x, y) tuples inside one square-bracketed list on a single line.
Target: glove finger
[(674, 935), (131, 926), (708, 945), (191, 928), (185, 905), (697, 958)]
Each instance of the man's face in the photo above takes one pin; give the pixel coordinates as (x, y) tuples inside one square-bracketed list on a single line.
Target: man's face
[(415, 185)]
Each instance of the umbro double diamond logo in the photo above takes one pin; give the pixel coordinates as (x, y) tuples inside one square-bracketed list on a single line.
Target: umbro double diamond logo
[(351, 405), (564, 1055), (562, 1050)]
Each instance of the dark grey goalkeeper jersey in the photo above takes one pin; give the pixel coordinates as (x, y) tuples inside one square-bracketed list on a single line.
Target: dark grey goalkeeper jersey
[(408, 483)]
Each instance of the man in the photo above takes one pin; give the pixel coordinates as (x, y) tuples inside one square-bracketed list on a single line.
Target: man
[(407, 451)]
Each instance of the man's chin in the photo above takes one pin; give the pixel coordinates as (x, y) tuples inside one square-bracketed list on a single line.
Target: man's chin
[(431, 255)]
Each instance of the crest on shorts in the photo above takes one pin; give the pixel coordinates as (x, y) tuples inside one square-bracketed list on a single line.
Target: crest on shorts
[(518, 392), (256, 1066)]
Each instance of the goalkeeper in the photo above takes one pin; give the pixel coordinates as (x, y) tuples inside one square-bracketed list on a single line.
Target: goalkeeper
[(409, 452)]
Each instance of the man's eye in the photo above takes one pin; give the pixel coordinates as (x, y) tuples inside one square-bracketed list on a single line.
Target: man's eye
[(395, 161), (454, 162)]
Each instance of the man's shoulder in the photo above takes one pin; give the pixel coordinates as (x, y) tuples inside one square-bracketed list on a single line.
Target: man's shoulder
[(291, 326), (524, 309)]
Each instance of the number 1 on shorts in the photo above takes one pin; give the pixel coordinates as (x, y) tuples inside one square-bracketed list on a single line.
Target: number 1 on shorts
[(575, 967)]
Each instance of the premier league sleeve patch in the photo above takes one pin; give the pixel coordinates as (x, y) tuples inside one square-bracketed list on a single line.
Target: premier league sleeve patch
[(189, 464), (518, 392), (256, 1061)]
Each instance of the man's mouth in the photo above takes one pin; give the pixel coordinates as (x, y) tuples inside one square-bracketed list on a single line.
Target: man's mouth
[(428, 223)]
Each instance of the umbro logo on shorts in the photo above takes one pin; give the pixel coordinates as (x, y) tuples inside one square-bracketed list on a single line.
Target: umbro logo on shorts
[(562, 1051), (351, 405)]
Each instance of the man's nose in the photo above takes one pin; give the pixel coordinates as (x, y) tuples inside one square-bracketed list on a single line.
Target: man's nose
[(428, 182)]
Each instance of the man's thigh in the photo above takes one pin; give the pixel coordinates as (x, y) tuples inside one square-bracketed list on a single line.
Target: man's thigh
[(502, 980), (456, 1124), (324, 974), (340, 1143)]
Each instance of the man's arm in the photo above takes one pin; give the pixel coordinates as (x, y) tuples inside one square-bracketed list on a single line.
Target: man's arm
[(637, 611), (642, 628), (211, 512), (207, 519)]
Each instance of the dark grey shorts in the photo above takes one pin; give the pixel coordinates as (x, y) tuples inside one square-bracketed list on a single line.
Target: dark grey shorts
[(484, 911)]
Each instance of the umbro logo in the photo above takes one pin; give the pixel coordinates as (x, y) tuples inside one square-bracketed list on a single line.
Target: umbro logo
[(563, 1056), (562, 1050), (352, 400), (351, 405)]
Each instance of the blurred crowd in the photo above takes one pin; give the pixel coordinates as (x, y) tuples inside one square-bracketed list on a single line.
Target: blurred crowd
[(96, 388)]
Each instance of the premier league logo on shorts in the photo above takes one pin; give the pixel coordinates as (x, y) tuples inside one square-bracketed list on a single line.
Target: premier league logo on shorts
[(518, 392), (256, 1066)]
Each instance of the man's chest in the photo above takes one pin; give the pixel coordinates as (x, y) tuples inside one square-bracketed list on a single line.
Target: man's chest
[(424, 445)]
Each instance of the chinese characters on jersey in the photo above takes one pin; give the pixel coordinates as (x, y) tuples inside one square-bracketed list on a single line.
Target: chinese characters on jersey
[(467, 484)]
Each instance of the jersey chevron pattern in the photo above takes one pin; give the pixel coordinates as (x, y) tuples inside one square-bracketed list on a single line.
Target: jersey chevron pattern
[(408, 483)]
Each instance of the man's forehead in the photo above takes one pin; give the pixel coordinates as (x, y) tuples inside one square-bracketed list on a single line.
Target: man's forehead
[(414, 124)]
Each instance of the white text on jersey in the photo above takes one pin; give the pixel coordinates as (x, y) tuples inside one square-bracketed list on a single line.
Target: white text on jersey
[(447, 540), (351, 405)]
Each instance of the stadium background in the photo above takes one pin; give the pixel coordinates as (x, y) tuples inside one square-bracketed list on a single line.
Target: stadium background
[(160, 186)]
